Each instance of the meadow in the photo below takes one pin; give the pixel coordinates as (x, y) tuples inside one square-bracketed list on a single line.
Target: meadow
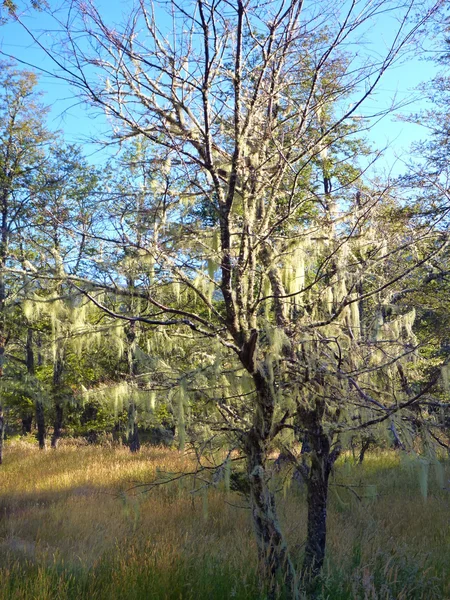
[(71, 528)]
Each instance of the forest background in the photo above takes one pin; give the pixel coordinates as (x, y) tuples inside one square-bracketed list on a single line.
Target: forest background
[(230, 271)]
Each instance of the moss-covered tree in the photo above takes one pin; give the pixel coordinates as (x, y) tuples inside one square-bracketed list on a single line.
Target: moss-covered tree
[(277, 254)]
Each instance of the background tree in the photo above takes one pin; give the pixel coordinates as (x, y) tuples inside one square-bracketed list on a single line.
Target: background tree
[(23, 137), (67, 202)]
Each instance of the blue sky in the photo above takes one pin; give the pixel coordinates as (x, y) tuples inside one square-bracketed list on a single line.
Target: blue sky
[(81, 124)]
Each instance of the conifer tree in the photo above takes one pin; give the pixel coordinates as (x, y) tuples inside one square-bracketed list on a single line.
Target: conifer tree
[(68, 195), (23, 137)]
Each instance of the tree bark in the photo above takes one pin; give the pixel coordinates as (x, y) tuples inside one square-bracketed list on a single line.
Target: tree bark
[(27, 423), (317, 486), (40, 424), (365, 444), (133, 431), (275, 565), (38, 406), (322, 461), (57, 426), (2, 434), (58, 368)]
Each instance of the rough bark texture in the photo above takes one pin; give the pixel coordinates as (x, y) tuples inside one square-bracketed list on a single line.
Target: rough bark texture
[(322, 461), (317, 486), (274, 562)]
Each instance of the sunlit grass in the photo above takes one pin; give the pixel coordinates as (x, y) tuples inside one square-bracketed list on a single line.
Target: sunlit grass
[(69, 530)]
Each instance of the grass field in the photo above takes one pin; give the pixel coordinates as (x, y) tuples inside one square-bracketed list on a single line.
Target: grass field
[(68, 530)]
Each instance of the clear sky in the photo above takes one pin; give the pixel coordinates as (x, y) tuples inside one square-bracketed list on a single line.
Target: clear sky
[(81, 124)]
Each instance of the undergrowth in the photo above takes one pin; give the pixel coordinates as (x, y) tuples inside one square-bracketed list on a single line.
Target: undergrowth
[(74, 524)]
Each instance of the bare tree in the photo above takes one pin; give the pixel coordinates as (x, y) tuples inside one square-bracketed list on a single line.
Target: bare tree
[(254, 109)]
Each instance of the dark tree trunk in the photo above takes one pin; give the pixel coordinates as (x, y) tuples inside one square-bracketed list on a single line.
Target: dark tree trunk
[(133, 431), (322, 461), (364, 447), (58, 369), (30, 353), (39, 405), (274, 561), (306, 446), (2, 434), (317, 486), (57, 427), (40, 424), (27, 423)]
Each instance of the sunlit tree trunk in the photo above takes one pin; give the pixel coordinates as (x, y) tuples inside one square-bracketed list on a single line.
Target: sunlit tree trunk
[(275, 564)]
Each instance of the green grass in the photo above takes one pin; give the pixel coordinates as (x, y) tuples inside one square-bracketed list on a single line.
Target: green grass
[(67, 532)]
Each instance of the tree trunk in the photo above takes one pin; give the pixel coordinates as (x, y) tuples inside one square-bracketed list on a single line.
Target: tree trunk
[(322, 461), (2, 434), (38, 406), (57, 427), (58, 370), (133, 431), (317, 486), (275, 565), (365, 444), (27, 423), (40, 424)]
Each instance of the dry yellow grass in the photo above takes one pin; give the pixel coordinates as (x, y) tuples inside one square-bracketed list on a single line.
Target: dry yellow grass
[(68, 530)]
